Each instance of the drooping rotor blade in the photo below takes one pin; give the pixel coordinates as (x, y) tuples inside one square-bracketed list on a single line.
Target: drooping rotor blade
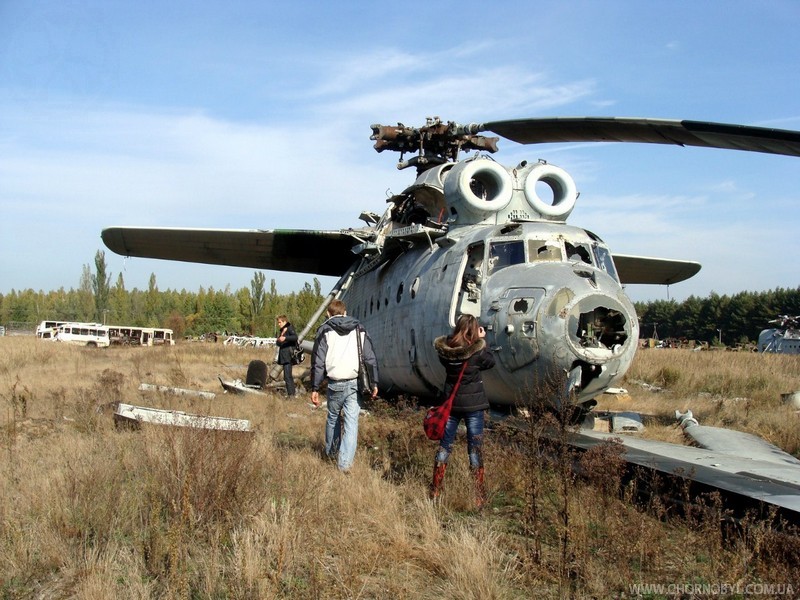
[(649, 131), (316, 252), (659, 271)]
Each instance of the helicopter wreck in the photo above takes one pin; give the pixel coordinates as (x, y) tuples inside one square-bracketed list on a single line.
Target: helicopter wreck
[(782, 339), (472, 236), (488, 226)]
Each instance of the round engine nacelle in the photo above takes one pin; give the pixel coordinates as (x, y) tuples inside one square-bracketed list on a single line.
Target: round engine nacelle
[(478, 188), (560, 183)]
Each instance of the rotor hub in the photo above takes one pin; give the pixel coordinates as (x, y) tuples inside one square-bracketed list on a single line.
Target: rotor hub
[(434, 143)]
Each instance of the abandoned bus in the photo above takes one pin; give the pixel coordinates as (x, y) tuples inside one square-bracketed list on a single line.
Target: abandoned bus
[(46, 330), (123, 335), (161, 337), (83, 334)]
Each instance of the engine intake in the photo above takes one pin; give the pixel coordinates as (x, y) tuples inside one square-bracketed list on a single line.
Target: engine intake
[(478, 187), (565, 192)]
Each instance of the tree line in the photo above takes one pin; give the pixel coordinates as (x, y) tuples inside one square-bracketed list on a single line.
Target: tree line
[(247, 311), (727, 320), (731, 319)]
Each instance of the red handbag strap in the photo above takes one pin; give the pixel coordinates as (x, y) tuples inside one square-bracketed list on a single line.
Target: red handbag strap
[(458, 382)]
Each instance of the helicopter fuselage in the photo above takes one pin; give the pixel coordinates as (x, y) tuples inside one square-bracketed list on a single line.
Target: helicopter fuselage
[(547, 294), (545, 313)]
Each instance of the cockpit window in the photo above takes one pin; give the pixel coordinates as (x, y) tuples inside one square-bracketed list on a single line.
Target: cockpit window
[(504, 254), (578, 252), (540, 250), (603, 258)]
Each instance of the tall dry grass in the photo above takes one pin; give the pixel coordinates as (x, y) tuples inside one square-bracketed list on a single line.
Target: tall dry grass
[(90, 511), (740, 390)]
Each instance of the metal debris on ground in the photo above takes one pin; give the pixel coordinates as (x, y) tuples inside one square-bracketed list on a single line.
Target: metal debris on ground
[(626, 422), (237, 386), (130, 415), (149, 387)]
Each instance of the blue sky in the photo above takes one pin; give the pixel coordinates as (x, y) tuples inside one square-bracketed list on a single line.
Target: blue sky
[(256, 115)]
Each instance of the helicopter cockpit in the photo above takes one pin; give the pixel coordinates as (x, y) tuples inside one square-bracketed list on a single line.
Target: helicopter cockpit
[(505, 253)]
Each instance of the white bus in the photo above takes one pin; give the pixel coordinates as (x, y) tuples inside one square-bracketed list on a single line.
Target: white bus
[(83, 334), (46, 330), (161, 337), (123, 335)]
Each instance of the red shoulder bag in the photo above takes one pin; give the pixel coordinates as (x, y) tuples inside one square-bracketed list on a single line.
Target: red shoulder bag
[(436, 417)]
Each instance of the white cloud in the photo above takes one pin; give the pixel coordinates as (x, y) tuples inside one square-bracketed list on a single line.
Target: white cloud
[(486, 94), (387, 66)]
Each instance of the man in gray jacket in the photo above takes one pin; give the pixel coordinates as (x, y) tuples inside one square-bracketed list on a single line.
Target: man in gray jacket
[(335, 356)]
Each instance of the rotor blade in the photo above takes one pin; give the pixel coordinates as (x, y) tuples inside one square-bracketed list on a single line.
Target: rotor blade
[(649, 131), (659, 271), (317, 252)]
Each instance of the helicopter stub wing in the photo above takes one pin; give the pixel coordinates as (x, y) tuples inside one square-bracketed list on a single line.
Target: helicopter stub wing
[(659, 271), (300, 251), (649, 131)]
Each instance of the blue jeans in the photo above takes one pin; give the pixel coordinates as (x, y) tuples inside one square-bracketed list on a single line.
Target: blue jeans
[(474, 423), (342, 400)]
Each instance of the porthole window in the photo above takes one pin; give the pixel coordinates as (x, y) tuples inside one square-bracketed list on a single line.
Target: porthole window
[(399, 291), (414, 288)]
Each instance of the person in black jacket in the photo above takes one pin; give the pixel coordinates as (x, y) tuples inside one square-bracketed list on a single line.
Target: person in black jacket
[(286, 341), (465, 345)]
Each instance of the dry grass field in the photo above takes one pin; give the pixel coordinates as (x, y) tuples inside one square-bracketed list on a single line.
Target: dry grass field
[(89, 511), (740, 390)]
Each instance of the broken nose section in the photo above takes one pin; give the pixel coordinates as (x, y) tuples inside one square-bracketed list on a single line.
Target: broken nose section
[(599, 330), (598, 327)]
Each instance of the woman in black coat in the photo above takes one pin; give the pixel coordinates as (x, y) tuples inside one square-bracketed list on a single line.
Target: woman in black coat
[(465, 349), (286, 341)]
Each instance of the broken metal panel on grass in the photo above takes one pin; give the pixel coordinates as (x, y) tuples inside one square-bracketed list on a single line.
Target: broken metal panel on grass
[(738, 444), (237, 386), (149, 387), (130, 415)]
